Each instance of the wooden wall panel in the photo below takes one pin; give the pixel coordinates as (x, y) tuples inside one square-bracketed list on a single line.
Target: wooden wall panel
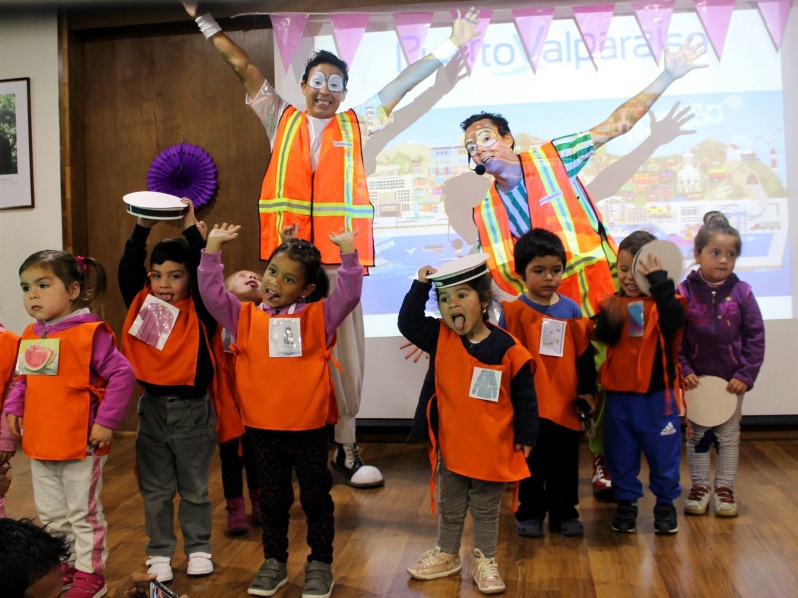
[(144, 94)]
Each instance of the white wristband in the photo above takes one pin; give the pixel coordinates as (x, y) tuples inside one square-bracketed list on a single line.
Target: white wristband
[(208, 25), (445, 51)]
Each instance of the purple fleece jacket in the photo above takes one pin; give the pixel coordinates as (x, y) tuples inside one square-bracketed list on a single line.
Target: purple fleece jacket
[(106, 363), (725, 334)]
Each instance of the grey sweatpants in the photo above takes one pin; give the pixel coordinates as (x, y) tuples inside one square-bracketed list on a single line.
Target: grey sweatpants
[(456, 495), (175, 443)]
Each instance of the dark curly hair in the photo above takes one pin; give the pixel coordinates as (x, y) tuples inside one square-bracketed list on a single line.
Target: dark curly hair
[(27, 554), (69, 270), (305, 253)]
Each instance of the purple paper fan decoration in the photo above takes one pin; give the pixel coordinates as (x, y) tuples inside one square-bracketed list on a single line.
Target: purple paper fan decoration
[(184, 170)]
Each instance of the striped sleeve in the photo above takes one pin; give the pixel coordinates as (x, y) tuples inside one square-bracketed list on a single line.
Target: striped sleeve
[(575, 150)]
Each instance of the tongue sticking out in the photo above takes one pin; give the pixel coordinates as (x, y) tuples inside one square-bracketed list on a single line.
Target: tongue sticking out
[(459, 322)]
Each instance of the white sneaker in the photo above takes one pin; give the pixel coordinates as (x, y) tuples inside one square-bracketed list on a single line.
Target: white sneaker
[(160, 566), (487, 575), (697, 501), (199, 563), (725, 505)]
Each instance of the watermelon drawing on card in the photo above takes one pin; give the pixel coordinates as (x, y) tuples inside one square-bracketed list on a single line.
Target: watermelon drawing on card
[(38, 357)]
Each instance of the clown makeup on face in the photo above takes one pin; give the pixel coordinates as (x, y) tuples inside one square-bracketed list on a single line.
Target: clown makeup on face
[(323, 101)]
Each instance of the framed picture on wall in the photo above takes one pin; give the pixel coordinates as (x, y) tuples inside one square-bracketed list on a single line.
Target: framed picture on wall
[(16, 152)]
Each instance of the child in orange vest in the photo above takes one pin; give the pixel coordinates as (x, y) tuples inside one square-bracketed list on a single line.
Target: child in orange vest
[(170, 339), (69, 366), (9, 343), (478, 408), (283, 388), (237, 454), (643, 382), (551, 327)]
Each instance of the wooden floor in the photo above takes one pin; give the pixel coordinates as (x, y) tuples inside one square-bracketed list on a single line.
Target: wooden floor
[(380, 531)]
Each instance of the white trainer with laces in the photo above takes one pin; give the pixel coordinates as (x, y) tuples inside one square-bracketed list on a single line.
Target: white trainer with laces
[(487, 575), (160, 566), (199, 563)]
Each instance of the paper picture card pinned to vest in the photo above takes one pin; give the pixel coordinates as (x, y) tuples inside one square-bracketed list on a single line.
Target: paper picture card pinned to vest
[(636, 324), (485, 384), (285, 337), (154, 322), (38, 357), (552, 337)]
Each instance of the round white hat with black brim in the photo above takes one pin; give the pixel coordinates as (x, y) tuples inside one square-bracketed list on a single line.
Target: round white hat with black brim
[(154, 205), (460, 270)]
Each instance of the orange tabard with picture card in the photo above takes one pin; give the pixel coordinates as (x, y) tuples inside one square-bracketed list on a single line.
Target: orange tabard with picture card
[(176, 363), (284, 393), (556, 378), (57, 408), (630, 361), (476, 435)]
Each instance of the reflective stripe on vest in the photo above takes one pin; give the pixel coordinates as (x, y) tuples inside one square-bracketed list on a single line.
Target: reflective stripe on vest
[(320, 202)]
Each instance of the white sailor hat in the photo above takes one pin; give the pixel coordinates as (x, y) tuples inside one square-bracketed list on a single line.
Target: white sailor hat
[(154, 205), (460, 270), (670, 258)]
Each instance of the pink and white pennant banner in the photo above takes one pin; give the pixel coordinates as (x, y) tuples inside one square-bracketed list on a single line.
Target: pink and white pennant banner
[(288, 29), (533, 28), (774, 13), (348, 30), (654, 19), (715, 16), (593, 21), (412, 28), (475, 44)]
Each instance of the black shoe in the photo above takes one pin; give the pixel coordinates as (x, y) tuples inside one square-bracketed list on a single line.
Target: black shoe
[(665, 521), (347, 460), (567, 527), (625, 517)]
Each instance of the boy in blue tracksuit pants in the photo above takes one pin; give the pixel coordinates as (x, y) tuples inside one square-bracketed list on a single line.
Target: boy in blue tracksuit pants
[(642, 379)]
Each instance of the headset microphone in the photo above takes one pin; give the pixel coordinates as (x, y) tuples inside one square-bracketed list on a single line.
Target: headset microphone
[(479, 169)]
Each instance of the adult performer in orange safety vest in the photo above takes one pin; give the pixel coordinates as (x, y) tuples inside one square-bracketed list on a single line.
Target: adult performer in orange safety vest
[(304, 187), (539, 188)]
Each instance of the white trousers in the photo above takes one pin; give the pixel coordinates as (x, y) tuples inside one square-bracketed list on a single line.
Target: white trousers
[(67, 496), (350, 352)]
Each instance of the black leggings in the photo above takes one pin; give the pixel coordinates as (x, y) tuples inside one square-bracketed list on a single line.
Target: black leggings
[(233, 464)]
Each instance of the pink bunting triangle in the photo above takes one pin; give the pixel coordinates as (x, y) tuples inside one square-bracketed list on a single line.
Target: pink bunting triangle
[(412, 28), (593, 21), (654, 19), (288, 29), (533, 28), (476, 43), (348, 29), (715, 16), (774, 13)]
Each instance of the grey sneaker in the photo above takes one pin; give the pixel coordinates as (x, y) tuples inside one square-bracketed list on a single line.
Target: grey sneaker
[(318, 580), (271, 576)]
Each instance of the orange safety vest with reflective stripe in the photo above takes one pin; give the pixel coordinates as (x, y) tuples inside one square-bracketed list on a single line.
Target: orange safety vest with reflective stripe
[(335, 196), (553, 205), (56, 413), (556, 378), (283, 393)]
